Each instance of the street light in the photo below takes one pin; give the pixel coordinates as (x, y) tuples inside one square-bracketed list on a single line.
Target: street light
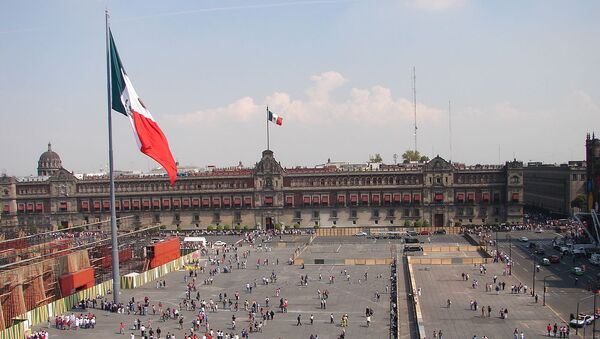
[(577, 314), (534, 269), (544, 293), (509, 254)]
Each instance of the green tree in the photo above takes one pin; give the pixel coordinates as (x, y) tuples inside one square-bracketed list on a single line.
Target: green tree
[(238, 227), (278, 226), (419, 223), (458, 224), (579, 202), (375, 158), (296, 226), (426, 223), (226, 227), (210, 228), (316, 227), (406, 223), (219, 228), (411, 155), (178, 228), (246, 228)]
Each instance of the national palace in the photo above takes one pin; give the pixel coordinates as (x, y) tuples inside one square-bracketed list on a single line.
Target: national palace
[(436, 193)]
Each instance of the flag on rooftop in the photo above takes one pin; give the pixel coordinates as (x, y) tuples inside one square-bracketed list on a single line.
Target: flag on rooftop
[(148, 134), (274, 118)]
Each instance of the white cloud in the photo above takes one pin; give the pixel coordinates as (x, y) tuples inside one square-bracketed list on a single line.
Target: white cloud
[(435, 5), (581, 100), (370, 106)]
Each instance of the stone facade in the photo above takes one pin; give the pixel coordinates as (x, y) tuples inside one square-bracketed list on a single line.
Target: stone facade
[(437, 192), (554, 187)]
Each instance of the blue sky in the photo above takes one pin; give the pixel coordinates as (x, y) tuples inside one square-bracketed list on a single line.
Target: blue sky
[(523, 78)]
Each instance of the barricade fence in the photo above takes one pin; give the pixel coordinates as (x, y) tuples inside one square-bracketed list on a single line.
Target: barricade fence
[(41, 314)]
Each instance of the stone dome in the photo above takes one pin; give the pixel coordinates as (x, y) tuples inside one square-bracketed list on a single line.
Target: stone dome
[(49, 162)]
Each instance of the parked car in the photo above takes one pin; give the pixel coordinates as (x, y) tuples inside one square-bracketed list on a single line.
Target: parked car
[(441, 231), (412, 233), (524, 239), (582, 320), (545, 262), (577, 270), (555, 259), (361, 234), (411, 240), (425, 233), (539, 250), (219, 243)]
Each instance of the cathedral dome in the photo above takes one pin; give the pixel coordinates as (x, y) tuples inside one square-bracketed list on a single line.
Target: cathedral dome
[(49, 162)]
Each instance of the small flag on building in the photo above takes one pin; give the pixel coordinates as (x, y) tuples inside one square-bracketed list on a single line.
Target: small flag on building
[(125, 100), (274, 118)]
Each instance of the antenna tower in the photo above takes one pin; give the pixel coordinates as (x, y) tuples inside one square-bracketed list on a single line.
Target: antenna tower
[(415, 103)]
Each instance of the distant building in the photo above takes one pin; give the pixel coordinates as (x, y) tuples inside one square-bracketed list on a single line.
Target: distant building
[(338, 194), (592, 157), (553, 187)]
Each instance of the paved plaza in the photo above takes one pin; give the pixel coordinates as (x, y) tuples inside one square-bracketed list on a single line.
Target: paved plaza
[(460, 321), (345, 297)]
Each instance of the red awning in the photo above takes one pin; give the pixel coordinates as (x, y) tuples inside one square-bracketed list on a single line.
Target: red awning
[(85, 205), (289, 200), (515, 197), (416, 197), (354, 198), (20, 207), (205, 202), (439, 197), (105, 204), (387, 197), (39, 207), (396, 197), (460, 196), (186, 202), (406, 198), (306, 200), (136, 203), (63, 204), (6, 209), (146, 203), (125, 203), (30, 207), (471, 196), (216, 201), (485, 196), (237, 201), (117, 204), (341, 198), (364, 198), (375, 198), (227, 201), (176, 202), (155, 203), (325, 199), (268, 200), (248, 201), (96, 204), (195, 202), (316, 199), (166, 202)]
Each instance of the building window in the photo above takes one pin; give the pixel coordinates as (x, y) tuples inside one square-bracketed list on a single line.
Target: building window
[(216, 218), (406, 212), (390, 213), (315, 214), (353, 214), (334, 214), (335, 222), (417, 212), (438, 180), (375, 213), (376, 221), (297, 215), (515, 179), (237, 216), (157, 218), (353, 222), (196, 217), (582, 177)]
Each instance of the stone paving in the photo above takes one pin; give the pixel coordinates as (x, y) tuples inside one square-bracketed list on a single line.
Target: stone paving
[(345, 297), (441, 282)]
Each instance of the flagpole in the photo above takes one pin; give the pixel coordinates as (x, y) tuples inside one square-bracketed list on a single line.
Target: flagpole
[(267, 127), (113, 215)]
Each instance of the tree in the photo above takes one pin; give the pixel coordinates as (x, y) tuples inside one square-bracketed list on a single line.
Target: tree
[(226, 227), (246, 228), (579, 202), (210, 228), (411, 155), (375, 158), (238, 227), (278, 226), (296, 226), (219, 228), (419, 223), (406, 223), (426, 223)]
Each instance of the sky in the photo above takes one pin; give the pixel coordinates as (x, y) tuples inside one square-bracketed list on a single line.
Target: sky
[(515, 79)]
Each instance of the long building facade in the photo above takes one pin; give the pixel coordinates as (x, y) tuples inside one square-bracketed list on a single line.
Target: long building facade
[(435, 193)]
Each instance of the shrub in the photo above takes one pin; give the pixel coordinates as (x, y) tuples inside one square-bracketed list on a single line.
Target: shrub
[(246, 228), (296, 226), (163, 227), (406, 223), (419, 223), (219, 228), (210, 228), (226, 227)]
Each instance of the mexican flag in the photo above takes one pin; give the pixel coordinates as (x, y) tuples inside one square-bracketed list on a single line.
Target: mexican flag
[(274, 118), (149, 137)]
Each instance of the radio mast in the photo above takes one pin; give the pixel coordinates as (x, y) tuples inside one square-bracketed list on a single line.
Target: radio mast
[(415, 103)]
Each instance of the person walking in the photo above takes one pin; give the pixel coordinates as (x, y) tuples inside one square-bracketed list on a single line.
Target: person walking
[(331, 318), (368, 321), (312, 319), (299, 323)]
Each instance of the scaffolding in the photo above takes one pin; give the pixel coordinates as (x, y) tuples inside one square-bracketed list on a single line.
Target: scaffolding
[(31, 266)]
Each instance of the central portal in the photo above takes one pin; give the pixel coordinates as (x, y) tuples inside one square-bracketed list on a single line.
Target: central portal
[(438, 220), (269, 223)]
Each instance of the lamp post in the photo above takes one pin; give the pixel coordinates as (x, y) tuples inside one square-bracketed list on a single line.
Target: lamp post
[(577, 314), (497, 239), (534, 269), (544, 293), (509, 254)]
